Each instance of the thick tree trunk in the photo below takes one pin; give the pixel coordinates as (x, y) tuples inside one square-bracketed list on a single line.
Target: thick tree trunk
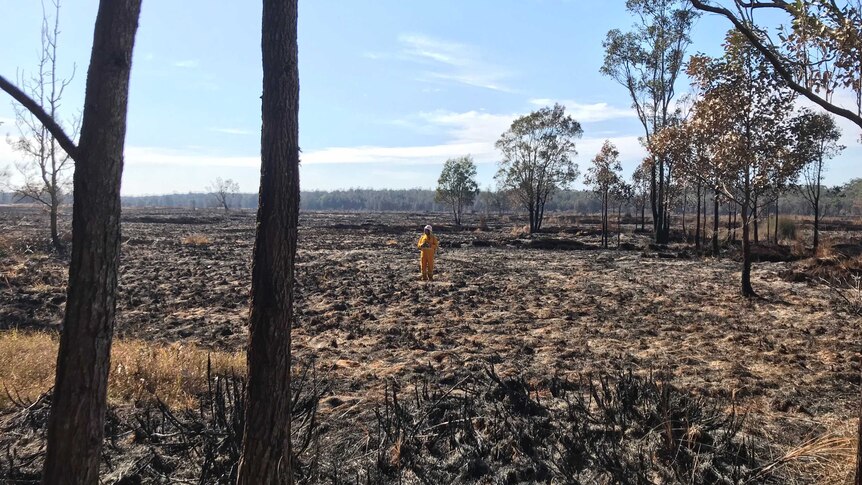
[(266, 453), (76, 423)]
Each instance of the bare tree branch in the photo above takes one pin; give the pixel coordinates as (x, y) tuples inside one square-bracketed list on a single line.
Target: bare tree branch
[(771, 56), (62, 138)]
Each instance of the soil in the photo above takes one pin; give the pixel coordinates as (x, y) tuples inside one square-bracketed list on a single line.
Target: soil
[(552, 306)]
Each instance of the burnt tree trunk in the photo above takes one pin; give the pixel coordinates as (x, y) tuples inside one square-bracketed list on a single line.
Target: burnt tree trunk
[(747, 289), (76, 423), (266, 452)]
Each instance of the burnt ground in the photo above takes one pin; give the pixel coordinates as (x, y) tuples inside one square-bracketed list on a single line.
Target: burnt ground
[(541, 312)]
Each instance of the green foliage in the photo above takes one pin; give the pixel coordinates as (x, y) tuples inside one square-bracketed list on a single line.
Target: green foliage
[(457, 185), (538, 151), (606, 172)]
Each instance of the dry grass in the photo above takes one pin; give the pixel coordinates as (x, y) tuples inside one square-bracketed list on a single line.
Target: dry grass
[(825, 249), (195, 240), (828, 459), (520, 231), (174, 373)]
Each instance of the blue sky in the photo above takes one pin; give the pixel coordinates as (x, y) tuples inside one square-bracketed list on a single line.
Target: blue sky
[(388, 89)]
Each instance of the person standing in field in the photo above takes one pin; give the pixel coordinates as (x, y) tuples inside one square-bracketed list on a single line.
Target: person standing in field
[(427, 245)]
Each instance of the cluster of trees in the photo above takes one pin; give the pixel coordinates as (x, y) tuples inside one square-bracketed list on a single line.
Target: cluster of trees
[(78, 404), (739, 136), (745, 141)]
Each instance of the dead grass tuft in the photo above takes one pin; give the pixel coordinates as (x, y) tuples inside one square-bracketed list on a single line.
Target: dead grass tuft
[(826, 459), (519, 231), (825, 250), (195, 240), (174, 373)]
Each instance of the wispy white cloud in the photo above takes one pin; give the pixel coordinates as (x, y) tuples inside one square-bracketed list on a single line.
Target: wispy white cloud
[(469, 132), (588, 112), (187, 63), (447, 62)]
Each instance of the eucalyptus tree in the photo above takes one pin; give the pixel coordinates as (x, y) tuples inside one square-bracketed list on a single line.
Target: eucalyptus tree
[(604, 176), (745, 113), (457, 185), (816, 140), (648, 62), (537, 158)]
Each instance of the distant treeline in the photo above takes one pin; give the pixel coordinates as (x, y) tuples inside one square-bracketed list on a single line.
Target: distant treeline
[(844, 200)]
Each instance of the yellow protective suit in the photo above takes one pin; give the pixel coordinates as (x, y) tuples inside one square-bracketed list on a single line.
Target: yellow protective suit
[(428, 244)]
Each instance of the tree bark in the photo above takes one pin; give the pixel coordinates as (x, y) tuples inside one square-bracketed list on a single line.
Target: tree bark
[(266, 453), (76, 423)]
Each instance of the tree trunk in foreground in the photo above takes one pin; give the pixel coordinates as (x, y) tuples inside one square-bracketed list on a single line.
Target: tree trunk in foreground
[(75, 426), (266, 452)]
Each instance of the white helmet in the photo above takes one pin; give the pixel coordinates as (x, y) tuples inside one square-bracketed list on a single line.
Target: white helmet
[(428, 228)]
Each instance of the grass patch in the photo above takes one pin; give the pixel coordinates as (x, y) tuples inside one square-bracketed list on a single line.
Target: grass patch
[(195, 240), (140, 371)]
